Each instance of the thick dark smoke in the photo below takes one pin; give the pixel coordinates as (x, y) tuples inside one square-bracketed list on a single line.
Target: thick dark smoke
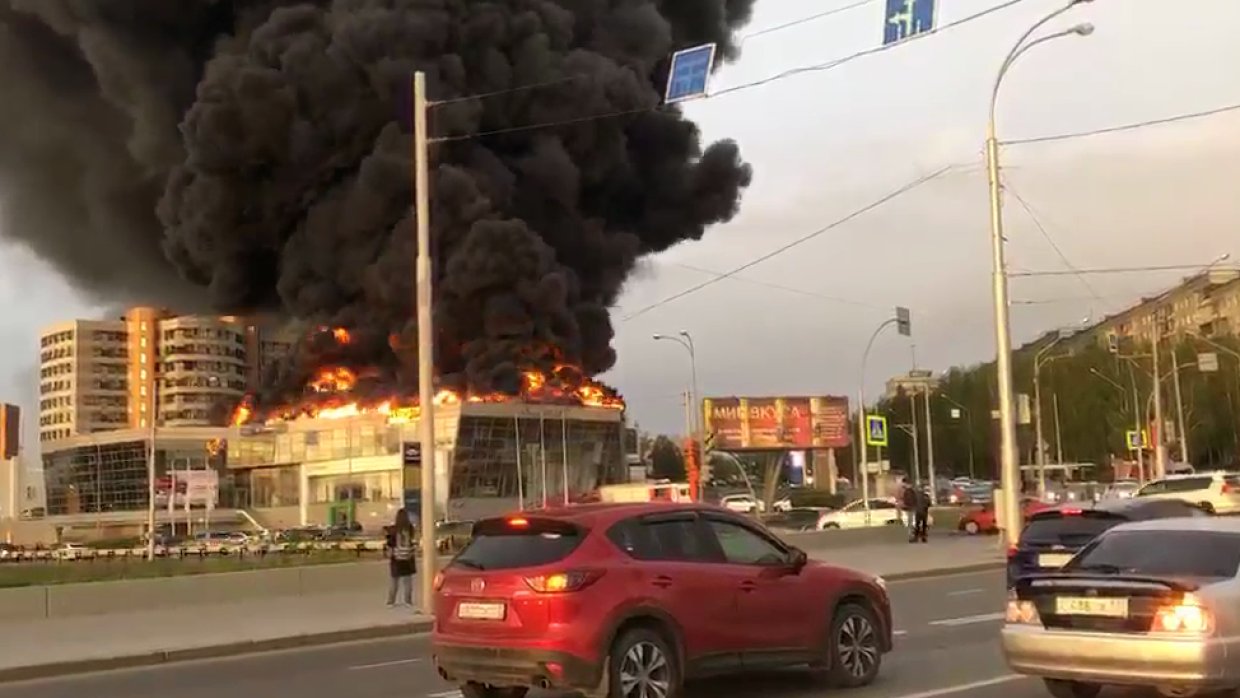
[(255, 155)]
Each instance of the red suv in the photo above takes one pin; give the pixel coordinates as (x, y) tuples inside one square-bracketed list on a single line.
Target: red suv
[(630, 600)]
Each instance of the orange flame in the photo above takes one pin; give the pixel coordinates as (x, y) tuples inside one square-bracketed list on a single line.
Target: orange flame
[(333, 380)]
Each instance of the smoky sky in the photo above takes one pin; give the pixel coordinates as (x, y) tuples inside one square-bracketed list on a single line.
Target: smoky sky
[(255, 155)]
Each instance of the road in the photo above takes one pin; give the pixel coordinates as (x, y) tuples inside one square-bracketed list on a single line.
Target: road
[(945, 646)]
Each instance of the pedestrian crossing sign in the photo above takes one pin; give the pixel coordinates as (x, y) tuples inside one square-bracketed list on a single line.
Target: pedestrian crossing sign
[(1138, 440), (875, 430)]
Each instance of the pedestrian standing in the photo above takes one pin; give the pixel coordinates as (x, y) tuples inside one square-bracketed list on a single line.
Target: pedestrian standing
[(921, 525), (401, 564), (908, 506)]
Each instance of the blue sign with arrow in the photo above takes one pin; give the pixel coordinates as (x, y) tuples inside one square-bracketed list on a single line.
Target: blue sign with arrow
[(689, 74), (906, 19)]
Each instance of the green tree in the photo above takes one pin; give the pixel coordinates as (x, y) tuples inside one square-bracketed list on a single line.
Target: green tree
[(667, 462)]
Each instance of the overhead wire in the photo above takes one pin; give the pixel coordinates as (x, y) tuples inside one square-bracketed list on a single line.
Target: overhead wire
[(903, 189), (779, 287), (1037, 222), (806, 20), (1114, 270), (1125, 127)]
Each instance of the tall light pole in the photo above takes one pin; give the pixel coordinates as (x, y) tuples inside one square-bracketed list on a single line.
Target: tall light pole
[(901, 321), (1010, 469), (426, 343), (968, 425), (684, 339), (1136, 412), (1038, 362), (150, 471)]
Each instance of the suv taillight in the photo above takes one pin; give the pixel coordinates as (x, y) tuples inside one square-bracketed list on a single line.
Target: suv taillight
[(563, 582), (1021, 612), (438, 581), (1228, 489)]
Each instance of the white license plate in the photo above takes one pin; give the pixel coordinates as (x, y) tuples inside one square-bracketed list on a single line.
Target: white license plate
[(1053, 559), (1075, 606), (481, 611)]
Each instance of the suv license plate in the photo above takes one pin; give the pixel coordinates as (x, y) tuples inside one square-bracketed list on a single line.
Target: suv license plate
[(1053, 560), (1075, 606), (480, 611)]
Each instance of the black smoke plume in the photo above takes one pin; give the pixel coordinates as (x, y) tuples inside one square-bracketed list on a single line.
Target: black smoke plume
[(251, 155)]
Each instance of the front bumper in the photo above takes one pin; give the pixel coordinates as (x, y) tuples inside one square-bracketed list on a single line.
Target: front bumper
[(499, 666), (1140, 660)]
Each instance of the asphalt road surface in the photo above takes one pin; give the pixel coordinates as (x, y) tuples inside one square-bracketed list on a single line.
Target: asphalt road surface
[(945, 646)]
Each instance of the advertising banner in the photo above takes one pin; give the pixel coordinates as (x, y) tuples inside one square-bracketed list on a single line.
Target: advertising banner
[(199, 488), (767, 423)]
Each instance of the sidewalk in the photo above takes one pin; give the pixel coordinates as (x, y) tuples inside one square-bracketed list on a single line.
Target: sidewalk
[(89, 643)]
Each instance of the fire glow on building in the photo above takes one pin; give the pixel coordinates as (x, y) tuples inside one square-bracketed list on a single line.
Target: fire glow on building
[(330, 394)]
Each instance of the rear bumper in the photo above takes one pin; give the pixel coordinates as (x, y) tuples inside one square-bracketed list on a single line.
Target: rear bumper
[(500, 666), (1140, 660)]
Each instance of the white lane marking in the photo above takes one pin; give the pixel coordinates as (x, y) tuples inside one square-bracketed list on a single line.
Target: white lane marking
[(961, 688), (965, 592), (969, 620), (445, 694), (380, 665), (899, 633)]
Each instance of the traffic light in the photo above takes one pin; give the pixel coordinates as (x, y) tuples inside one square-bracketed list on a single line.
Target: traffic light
[(1113, 343)]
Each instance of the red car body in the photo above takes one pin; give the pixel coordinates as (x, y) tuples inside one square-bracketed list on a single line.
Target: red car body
[(554, 599), (981, 518)]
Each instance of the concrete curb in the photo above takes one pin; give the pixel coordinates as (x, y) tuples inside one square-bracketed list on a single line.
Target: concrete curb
[(233, 649), (945, 571)]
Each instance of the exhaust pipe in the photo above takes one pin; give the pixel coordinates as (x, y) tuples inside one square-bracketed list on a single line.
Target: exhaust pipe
[(544, 683)]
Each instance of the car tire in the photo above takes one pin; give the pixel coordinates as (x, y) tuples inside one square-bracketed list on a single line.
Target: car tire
[(1207, 508), (478, 690), (830, 526), (972, 528), (1060, 688), (643, 655), (853, 647)]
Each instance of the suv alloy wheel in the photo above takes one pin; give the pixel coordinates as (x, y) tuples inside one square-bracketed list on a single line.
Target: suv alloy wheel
[(642, 665), (853, 645)]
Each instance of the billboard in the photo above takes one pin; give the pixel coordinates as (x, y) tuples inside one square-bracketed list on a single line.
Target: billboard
[(10, 431), (192, 488), (766, 423)]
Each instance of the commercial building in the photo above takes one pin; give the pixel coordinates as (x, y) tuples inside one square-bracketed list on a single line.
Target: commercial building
[(11, 494), (101, 375), (915, 381), (492, 457)]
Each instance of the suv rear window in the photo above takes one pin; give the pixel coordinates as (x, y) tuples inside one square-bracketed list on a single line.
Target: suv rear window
[(1072, 529), (1189, 484), (1163, 553), (498, 544)]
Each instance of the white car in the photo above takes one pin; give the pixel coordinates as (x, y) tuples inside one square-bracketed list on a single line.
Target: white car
[(1121, 489), (783, 505), (69, 551), (740, 503), (1217, 493), (883, 511)]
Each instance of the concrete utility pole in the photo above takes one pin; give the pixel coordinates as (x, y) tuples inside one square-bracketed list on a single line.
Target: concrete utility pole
[(912, 410), (1010, 466), (426, 343), (150, 473), (1160, 453), (934, 485)]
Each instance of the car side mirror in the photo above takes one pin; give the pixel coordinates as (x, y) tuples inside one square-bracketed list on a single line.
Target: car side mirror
[(797, 560)]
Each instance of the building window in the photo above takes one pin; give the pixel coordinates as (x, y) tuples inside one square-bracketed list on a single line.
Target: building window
[(142, 358), (143, 325), (142, 374), (142, 342), (142, 422), (142, 390)]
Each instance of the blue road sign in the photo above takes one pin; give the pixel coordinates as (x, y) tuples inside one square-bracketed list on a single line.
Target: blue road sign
[(875, 430), (689, 74), (907, 18)]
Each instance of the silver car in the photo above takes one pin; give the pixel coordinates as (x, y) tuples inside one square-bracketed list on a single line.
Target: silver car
[(1150, 604)]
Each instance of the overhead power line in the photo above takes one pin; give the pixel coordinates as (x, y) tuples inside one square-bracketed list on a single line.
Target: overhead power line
[(780, 287), (1007, 186), (818, 67), (1125, 127), (806, 20), (904, 189), (1117, 270)]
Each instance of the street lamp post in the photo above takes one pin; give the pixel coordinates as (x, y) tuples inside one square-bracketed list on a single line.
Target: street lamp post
[(968, 426), (1010, 473), (686, 340), (862, 455), (1136, 412)]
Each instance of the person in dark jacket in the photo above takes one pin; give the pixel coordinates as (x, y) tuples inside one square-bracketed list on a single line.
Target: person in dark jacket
[(921, 524), (908, 508), (401, 564)]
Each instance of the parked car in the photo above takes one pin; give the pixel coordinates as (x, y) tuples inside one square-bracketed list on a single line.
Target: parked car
[(797, 519), (883, 511), (1121, 489), (634, 599), (1052, 536), (981, 518), (1150, 604), (1216, 493), (9, 552), (68, 551), (971, 493), (740, 503)]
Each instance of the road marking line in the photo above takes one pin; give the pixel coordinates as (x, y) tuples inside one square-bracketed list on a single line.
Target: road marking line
[(961, 688), (969, 620), (965, 592), (384, 664), (446, 694), (899, 633)]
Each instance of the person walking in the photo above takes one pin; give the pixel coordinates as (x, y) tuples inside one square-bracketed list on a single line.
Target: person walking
[(908, 509), (401, 564), (921, 519)]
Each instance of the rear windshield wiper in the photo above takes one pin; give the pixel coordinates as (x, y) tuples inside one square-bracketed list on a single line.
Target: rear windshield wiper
[(468, 563)]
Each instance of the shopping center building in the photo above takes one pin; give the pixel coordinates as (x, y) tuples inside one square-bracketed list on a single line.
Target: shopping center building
[(490, 457)]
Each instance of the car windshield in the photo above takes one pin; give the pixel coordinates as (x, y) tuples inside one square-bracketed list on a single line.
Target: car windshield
[(1163, 553), (1068, 529)]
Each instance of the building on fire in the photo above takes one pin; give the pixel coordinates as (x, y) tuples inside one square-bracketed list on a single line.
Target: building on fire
[(492, 457)]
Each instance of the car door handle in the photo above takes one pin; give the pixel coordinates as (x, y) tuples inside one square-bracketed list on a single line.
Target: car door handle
[(662, 581), (748, 585)]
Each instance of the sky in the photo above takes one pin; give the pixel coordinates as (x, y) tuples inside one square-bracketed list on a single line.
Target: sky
[(824, 144)]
